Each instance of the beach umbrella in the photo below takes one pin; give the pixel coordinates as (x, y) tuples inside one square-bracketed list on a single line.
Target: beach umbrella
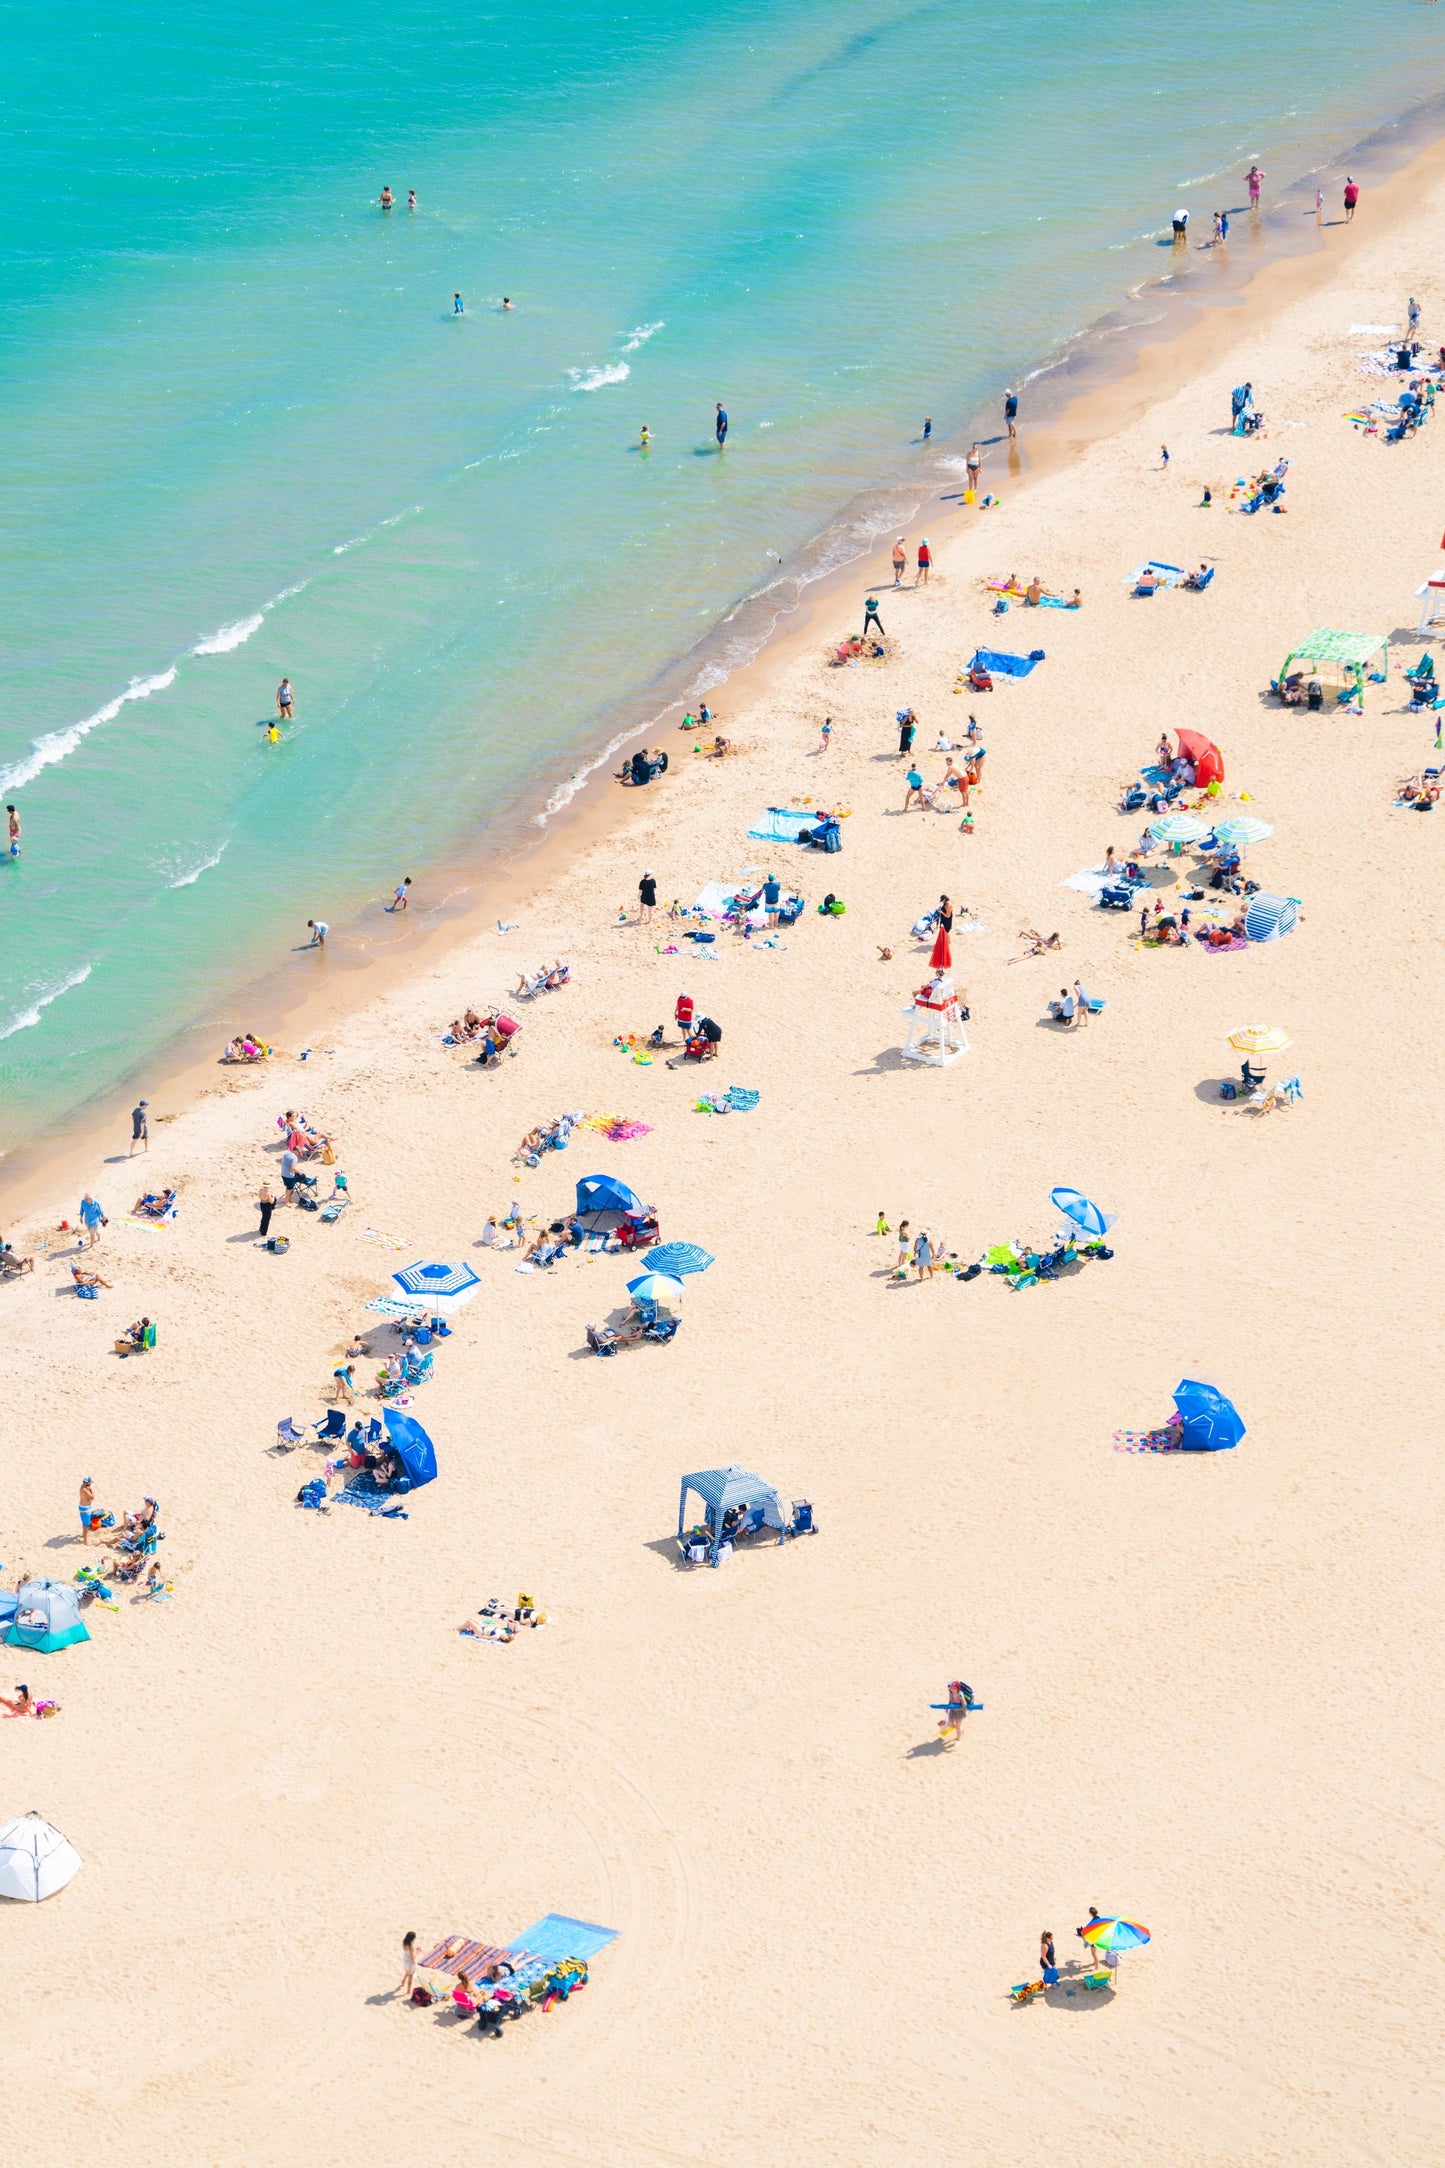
[(1259, 1039), (678, 1257), (1177, 828), (654, 1287), (941, 955), (1243, 829), (413, 1448), (1270, 918), (1205, 754), (1212, 1423), (35, 1860), (436, 1279), (1116, 1934), (1086, 1216)]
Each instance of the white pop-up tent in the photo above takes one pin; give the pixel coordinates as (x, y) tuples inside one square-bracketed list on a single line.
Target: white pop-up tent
[(35, 1860)]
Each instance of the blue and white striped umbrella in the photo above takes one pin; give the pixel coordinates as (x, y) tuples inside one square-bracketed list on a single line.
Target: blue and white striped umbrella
[(1270, 918), (1177, 828), (1243, 829), (436, 1279), (679, 1257), (1086, 1216), (654, 1287)]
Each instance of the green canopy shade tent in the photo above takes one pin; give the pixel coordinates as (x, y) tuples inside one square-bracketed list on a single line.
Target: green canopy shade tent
[(1351, 654)]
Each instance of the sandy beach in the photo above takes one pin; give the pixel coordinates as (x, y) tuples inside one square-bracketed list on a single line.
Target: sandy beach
[(1207, 1700)]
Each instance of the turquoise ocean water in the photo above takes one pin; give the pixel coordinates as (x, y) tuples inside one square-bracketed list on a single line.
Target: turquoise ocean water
[(243, 433)]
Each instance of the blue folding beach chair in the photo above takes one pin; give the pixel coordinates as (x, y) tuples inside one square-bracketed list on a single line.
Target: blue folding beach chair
[(332, 1425)]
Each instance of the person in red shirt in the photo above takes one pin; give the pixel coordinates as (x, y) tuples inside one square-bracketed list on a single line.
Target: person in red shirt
[(925, 562), (683, 1015), (1352, 197)]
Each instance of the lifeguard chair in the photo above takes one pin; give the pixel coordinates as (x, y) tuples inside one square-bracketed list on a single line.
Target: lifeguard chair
[(935, 1031), (1432, 604)]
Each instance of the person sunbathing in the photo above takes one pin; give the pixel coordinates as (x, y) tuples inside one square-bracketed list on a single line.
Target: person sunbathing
[(1076, 600), (559, 974), (1038, 946), (12, 1262), (25, 1704), (87, 1276), (1197, 581), (150, 1206), (133, 1339), (1147, 581), (1034, 592)]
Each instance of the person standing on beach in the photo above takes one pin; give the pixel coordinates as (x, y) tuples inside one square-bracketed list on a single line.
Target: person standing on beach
[(408, 1962), (900, 563), (772, 897), (1254, 181), (266, 1199), (319, 931), (285, 700), (721, 425), (974, 467), (87, 1500), (925, 562), (1181, 227), (1011, 411), (647, 895), (826, 737), (907, 726), (400, 899), (140, 1128), (871, 617), (1352, 197), (13, 822)]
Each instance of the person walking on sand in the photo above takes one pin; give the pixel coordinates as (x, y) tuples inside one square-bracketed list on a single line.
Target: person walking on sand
[(92, 1217), (905, 1250), (1352, 197), (871, 617), (319, 931), (408, 1965), (400, 898), (826, 734), (973, 466), (646, 896), (13, 822), (1254, 182), (140, 1128), (900, 562), (267, 1201), (915, 789), (1011, 411), (925, 562), (285, 700)]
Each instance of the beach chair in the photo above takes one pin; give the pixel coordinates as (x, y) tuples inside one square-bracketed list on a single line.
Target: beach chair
[(661, 1328), (332, 1425), (287, 1434), (1095, 1980), (1026, 1991)]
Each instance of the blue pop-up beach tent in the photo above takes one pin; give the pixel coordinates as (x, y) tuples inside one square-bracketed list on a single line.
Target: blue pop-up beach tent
[(46, 1617), (604, 1193), (999, 664), (722, 1488), (412, 1447)]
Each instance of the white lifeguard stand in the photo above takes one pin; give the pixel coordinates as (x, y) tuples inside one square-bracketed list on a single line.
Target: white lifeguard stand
[(1432, 603), (935, 1032)]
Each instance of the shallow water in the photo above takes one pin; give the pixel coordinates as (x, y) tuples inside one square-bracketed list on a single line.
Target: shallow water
[(242, 431)]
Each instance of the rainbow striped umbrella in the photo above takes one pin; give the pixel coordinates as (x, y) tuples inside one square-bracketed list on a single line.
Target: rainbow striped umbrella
[(1116, 1934)]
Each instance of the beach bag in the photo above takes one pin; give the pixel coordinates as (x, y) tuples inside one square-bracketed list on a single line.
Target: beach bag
[(422, 1996)]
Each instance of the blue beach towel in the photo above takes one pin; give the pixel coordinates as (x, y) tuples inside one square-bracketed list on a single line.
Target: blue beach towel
[(998, 664), (778, 825), (741, 1100), (555, 1936), (362, 1491)]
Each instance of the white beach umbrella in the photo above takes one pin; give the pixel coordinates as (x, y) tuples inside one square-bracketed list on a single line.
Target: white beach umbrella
[(35, 1860)]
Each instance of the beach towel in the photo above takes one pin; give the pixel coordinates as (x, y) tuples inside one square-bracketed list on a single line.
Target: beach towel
[(616, 1127), (362, 1491), (555, 1937), (1164, 1440), (778, 825), (1090, 881), (459, 1953), (741, 1100), (999, 664), (1166, 575)]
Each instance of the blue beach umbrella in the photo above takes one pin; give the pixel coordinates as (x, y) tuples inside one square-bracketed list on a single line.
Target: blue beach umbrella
[(413, 1448), (652, 1287), (1212, 1423), (436, 1279), (679, 1257), (1086, 1216)]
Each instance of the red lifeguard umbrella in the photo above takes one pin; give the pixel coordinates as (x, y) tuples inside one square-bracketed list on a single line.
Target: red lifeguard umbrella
[(942, 956), (1205, 754)]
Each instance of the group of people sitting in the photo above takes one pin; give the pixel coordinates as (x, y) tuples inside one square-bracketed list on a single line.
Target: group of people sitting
[(503, 1621), (247, 1047), (1297, 691), (304, 1140), (544, 980), (1421, 792), (495, 1034), (1034, 594), (551, 1136), (643, 767), (854, 648)]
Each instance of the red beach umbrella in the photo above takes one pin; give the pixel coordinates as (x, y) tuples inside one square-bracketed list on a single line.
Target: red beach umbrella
[(942, 957), (1205, 754)]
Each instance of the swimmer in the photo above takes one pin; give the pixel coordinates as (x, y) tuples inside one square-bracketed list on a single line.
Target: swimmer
[(411, 199), (646, 436), (459, 307), (12, 819), (273, 734), (506, 301), (721, 425), (284, 700), (386, 199)]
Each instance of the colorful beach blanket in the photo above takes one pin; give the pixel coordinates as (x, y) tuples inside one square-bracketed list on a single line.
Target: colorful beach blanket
[(362, 1491), (778, 825), (1163, 1440), (617, 1128)]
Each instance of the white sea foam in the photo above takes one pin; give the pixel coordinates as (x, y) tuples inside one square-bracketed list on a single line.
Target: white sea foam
[(26, 1019), (230, 636), (59, 744), (640, 337), (340, 548), (566, 792), (285, 595), (184, 880), (612, 372)]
